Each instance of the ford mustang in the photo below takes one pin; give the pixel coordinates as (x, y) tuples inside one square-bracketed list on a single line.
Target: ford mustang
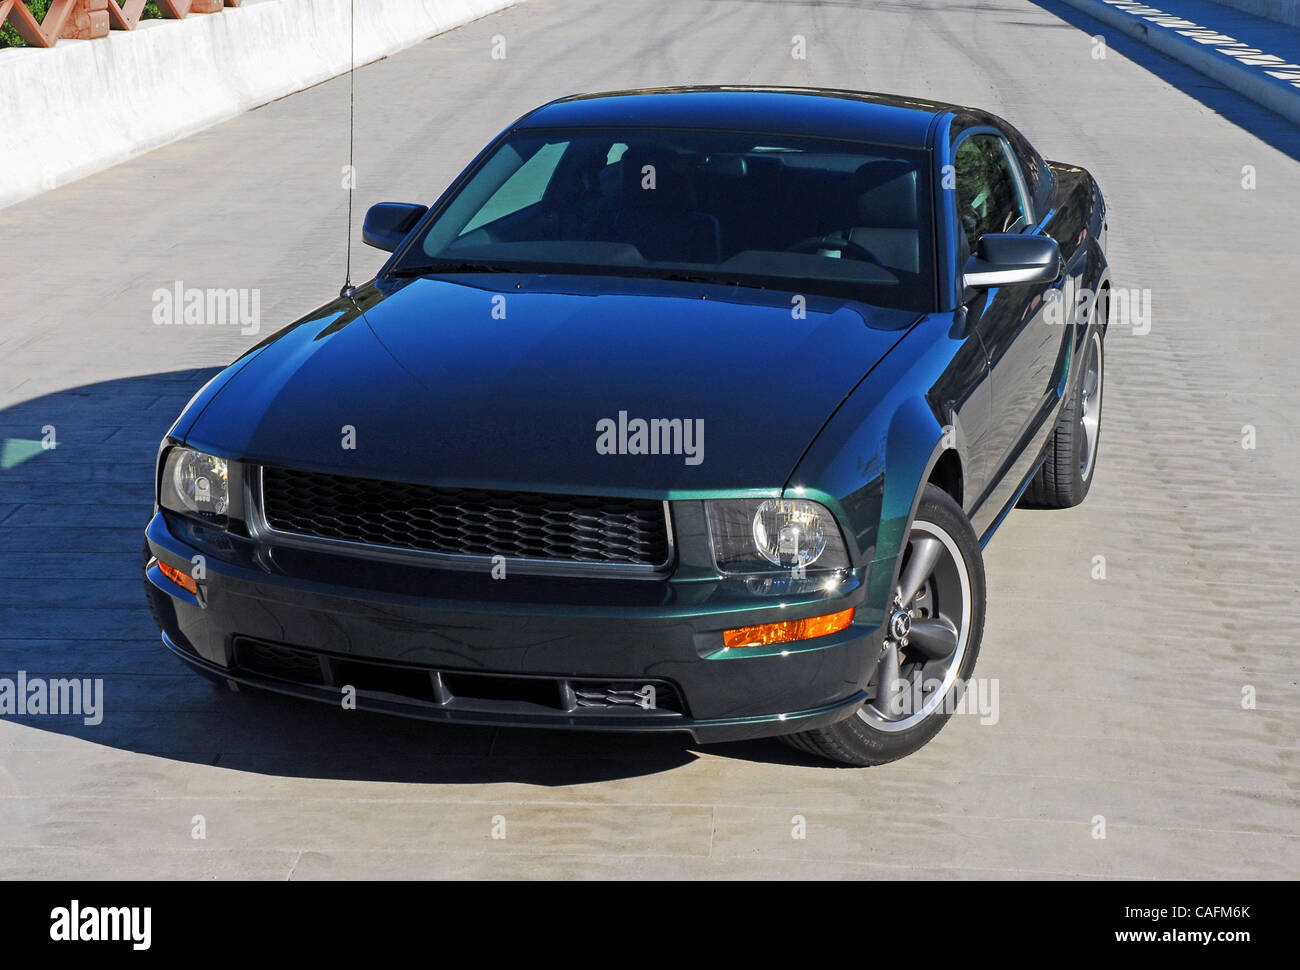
[(681, 410)]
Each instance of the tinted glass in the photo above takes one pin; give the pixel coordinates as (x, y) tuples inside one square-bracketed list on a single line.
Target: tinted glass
[(988, 196), (1038, 176), (798, 214)]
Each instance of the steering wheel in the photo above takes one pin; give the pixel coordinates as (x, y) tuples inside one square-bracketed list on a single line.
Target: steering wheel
[(845, 246)]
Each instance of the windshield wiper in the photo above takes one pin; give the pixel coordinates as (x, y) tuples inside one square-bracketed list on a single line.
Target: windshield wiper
[(693, 278), (449, 266), (453, 267)]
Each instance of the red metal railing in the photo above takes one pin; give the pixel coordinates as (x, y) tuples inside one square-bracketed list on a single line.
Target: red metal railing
[(87, 19)]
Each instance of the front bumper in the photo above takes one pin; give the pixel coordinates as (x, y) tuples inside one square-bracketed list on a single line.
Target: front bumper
[(617, 655)]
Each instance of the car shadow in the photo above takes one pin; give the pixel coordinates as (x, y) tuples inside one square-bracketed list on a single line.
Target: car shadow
[(72, 606), (1236, 108)]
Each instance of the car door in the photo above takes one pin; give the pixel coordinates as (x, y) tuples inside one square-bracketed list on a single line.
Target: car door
[(1018, 337)]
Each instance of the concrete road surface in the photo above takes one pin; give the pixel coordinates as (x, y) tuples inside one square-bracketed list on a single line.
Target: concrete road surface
[(1144, 644)]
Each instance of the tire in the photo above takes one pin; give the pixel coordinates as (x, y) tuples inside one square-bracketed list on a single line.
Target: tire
[(1066, 474), (952, 594)]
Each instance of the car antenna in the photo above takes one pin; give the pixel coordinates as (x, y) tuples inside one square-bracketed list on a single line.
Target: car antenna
[(348, 289)]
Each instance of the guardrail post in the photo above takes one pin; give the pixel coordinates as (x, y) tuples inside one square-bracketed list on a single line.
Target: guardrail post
[(179, 9), (88, 20)]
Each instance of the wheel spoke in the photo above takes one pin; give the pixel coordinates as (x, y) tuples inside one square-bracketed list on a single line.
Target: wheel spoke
[(1090, 407), (1090, 383), (935, 638), (925, 556), (887, 678), (924, 630)]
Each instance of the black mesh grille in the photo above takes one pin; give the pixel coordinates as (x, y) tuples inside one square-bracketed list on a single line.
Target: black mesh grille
[(466, 522), (281, 663)]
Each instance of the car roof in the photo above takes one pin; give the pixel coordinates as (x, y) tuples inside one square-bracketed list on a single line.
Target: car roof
[(817, 112)]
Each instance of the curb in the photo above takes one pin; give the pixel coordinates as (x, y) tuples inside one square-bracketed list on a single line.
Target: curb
[(86, 105), (1176, 36)]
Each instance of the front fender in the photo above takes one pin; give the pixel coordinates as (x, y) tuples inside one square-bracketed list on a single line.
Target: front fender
[(872, 460), (914, 446)]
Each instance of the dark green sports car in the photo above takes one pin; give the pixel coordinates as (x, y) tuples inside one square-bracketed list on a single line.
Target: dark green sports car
[(683, 410)]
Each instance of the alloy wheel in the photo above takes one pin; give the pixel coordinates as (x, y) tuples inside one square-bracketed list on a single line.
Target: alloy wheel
[(927, 630), (1090, 406)]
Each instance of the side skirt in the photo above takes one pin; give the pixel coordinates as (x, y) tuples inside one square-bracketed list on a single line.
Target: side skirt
[(1001, 516)]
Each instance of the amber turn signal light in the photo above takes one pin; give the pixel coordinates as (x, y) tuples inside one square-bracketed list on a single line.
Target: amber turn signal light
[(182, 580), (768, 633)]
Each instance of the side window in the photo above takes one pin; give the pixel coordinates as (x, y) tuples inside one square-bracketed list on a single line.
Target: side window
[(524, 188), (989, 198), (1038, 177)]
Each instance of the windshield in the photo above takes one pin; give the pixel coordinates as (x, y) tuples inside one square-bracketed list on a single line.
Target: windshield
[(805, 215)]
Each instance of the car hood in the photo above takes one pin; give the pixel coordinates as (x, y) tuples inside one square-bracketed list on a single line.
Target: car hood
[(508, 382)]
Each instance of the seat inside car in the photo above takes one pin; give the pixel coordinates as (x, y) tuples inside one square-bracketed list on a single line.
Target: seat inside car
[(663, 222), (888, 221)]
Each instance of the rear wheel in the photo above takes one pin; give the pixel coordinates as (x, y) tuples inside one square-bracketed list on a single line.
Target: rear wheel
[(1064, 478), (932, 639)]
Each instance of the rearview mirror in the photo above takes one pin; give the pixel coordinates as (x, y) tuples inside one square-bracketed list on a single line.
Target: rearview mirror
[(388, 223), (1004, 259)]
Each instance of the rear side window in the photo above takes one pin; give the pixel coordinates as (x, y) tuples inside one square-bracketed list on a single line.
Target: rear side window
[(1038, 176)]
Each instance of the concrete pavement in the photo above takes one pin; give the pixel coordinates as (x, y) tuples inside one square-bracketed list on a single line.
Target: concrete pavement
[(1121, 698)]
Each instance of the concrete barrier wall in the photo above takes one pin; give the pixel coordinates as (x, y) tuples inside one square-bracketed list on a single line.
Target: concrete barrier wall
[(1283, 11), (86, 105), (1203, 47)]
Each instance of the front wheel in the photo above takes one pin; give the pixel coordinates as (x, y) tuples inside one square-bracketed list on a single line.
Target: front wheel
[(932, 638)]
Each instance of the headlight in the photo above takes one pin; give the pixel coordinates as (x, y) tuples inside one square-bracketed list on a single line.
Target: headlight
[(194, 482), (790, 532), (774, 535)]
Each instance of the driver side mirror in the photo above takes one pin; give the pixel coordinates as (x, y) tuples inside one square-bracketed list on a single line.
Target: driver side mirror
[(388, 223), (1005, 259)]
